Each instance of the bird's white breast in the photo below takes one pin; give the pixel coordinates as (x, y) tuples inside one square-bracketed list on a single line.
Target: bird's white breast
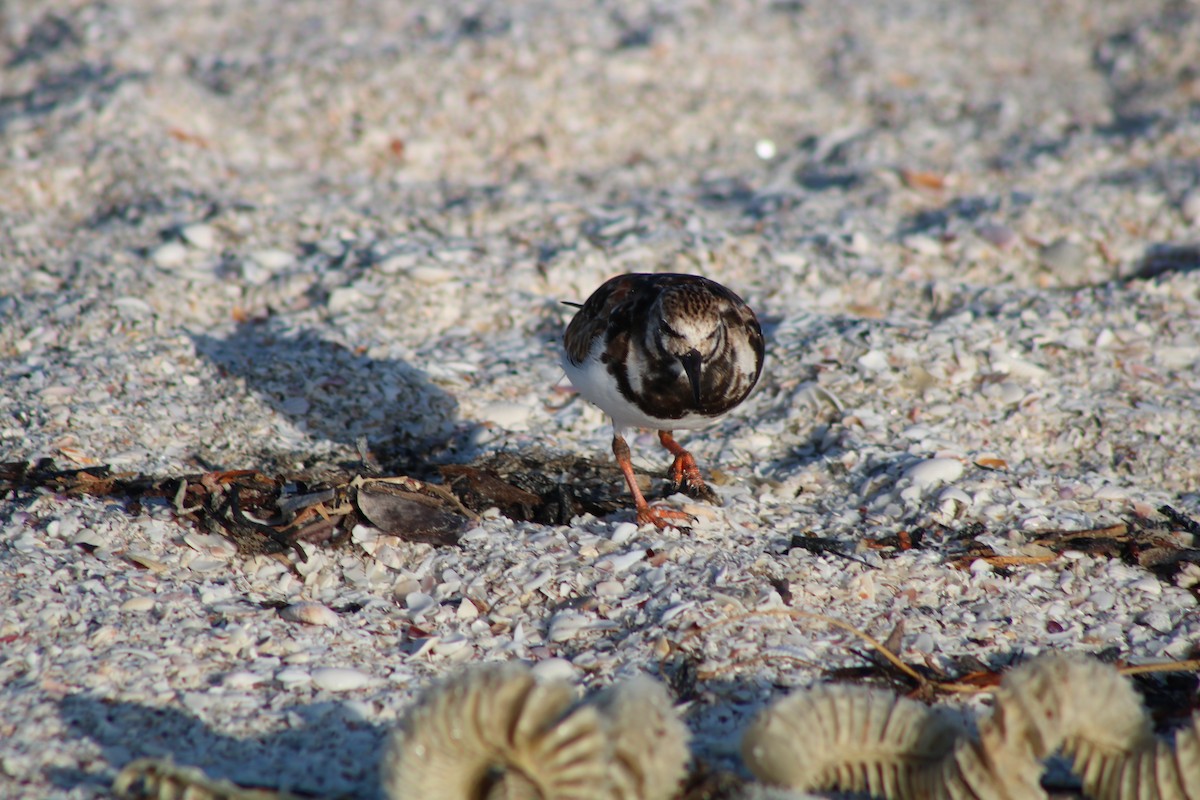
[(595, 383)]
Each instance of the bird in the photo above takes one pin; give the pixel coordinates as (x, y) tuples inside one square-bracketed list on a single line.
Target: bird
[(663, 351)]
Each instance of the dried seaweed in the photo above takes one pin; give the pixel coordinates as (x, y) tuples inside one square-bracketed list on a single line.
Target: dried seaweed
[(264, 514)]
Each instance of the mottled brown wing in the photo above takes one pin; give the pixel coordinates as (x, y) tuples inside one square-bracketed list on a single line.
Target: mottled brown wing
[(591, 320), (744, 315)]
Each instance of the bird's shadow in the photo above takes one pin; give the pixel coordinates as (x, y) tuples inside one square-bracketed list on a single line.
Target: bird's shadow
[(324, 750), (331, 392)]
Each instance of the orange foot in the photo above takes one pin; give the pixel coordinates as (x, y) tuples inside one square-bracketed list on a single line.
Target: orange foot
[(658, 517), (685, 474), (664, 518)]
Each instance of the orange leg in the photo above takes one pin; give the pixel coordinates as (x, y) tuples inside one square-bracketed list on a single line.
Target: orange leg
[(659, 517), (685, 474)]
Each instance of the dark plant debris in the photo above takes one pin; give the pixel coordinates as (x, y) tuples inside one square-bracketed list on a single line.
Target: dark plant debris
[(262, 513), (272, 514)]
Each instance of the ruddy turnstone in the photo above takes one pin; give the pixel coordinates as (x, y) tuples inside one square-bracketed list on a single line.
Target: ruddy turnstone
[(663, 351)]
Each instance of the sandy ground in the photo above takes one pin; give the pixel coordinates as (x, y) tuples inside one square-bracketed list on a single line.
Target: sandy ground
[(250, 235)]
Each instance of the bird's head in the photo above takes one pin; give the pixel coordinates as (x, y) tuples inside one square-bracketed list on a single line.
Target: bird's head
[(689, 332)]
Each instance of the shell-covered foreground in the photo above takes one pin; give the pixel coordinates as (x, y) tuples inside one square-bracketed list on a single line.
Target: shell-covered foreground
[(863, 740), (497, 732)]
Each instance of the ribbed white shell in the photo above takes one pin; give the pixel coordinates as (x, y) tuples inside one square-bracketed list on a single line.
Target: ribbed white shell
[(861, 740), (495, 732), (650, 742), (846, 738)]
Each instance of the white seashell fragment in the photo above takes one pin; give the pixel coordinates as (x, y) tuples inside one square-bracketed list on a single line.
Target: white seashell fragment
[(565, 624), (430, 276), (467, 609), (419, 603), (623, 533), (293, 676), (138, 604), (873, 361), (310, 613), (199, 235), (206, 564), (616, 564), (494, 731), (133, 307), (340, 679), (511, 416), (934, 471), (272, 258), (241, 679), (953, 501), (169, 255), (555, 669)]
